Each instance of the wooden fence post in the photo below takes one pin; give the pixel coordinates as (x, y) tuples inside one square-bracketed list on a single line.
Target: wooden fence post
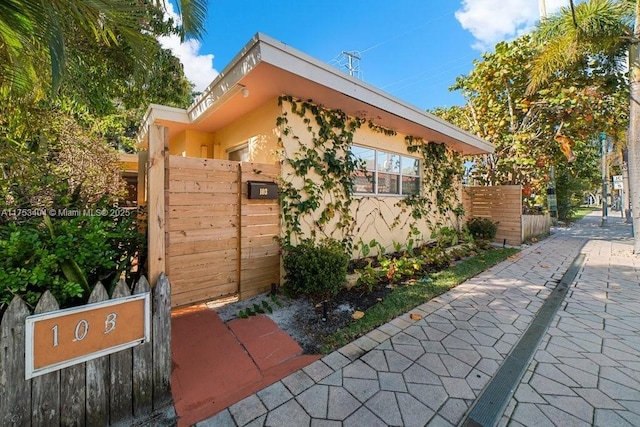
[(98, 376), (15, 392), (142, 368), (156, 222), (45, 406), (121, 364), (161, 337)]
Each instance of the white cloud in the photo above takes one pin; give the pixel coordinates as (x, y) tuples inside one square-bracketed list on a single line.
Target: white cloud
[(197, 67), (492, 21)]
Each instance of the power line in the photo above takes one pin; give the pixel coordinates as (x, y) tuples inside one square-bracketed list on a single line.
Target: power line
[(350, 60), (406, 32), (458, 62)]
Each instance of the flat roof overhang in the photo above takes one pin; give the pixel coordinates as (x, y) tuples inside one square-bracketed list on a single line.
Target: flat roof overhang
[(267, 69)]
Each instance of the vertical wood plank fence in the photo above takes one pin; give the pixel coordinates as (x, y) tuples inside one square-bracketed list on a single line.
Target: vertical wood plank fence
[(535, 225), (218, 241), (129, 387)]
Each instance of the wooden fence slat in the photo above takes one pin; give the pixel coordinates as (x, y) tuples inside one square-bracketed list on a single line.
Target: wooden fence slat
[(161, 332), (142, 364), (15, 392), (45, 406), (199, 163), (121, 366), (202, 200), (98, 375), (196, 235), (73, 395), (195, 186), (207, 223), (200, 246)]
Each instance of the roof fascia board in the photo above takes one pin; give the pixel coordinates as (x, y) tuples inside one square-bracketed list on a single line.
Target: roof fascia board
[(157, 112), (283, 56), (225, 84)]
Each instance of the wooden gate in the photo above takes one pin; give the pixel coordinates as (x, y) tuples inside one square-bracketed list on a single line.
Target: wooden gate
[(205, 233)]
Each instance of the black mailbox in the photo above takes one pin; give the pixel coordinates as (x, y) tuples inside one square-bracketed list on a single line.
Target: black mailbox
[(262, 190)]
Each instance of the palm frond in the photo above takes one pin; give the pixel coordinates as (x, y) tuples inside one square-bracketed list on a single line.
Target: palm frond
[(594, 27)]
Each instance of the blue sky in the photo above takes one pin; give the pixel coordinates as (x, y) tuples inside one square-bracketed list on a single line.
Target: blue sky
[(413, 49)]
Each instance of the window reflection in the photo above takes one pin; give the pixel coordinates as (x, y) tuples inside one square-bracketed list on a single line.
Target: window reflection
[(382, 172)]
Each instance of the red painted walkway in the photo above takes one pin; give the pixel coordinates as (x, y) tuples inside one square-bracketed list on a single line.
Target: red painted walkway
[(216, 365)]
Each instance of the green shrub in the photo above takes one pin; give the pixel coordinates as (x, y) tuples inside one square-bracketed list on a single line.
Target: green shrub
[(316, 270), (482, 228), (68, 262)]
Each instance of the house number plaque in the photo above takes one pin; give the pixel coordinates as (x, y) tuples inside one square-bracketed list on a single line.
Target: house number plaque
[(262, 190), (63, 338)]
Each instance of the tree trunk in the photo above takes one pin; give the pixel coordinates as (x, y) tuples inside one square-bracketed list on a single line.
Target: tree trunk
[(634, 130)]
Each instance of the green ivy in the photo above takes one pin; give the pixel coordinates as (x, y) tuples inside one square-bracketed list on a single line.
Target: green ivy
[(325, 153), (441, 175)]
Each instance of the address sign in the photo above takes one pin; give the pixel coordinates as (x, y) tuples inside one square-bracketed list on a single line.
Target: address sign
[(63, 338)]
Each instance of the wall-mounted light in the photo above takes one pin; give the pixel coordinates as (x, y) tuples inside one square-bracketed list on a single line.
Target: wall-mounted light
[(245, 92)]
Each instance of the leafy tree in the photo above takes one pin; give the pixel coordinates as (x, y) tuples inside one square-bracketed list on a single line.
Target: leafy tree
[(605, 29), (58, 129), (52, 159), (36, 34), (557, 125)]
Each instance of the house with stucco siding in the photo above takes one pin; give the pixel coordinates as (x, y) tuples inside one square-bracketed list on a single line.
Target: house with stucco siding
[(347, 158)]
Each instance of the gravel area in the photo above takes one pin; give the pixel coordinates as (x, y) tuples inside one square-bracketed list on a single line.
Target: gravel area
[(300, 318)]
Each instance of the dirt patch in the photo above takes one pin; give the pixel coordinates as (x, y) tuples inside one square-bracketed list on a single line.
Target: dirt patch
[(298, 317), (307, 322), (310, 322)]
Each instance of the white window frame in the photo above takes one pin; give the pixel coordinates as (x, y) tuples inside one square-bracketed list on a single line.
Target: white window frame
[(399, 174)]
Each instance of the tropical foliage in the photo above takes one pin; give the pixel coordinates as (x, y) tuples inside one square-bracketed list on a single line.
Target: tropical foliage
[(75, 78), (40, 35), (557, 125), (607, 30)]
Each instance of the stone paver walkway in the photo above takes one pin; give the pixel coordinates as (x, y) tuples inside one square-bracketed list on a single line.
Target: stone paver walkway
[(430, 372), (587, 369)]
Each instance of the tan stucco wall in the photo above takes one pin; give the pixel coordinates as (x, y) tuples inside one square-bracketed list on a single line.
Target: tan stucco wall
[(374, 215), (257, 128), (190, 143)]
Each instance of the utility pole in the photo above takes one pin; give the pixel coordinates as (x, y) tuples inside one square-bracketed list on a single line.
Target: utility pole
[(542, 7), (603, 152), (349, 60), (354, 62)]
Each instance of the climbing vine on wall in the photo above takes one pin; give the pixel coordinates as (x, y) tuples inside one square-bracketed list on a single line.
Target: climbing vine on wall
[(319, 190), (441, 175), (323, 165)]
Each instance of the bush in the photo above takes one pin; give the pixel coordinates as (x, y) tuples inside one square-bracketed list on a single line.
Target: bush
[(316, 270), (482, 228), (68, 262)]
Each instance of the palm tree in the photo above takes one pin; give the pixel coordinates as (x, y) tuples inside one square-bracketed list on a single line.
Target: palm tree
[(609, 29), (33, 33)]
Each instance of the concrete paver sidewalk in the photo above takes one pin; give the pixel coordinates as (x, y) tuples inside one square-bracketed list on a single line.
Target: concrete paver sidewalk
[(587, 369), (430, 372)]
